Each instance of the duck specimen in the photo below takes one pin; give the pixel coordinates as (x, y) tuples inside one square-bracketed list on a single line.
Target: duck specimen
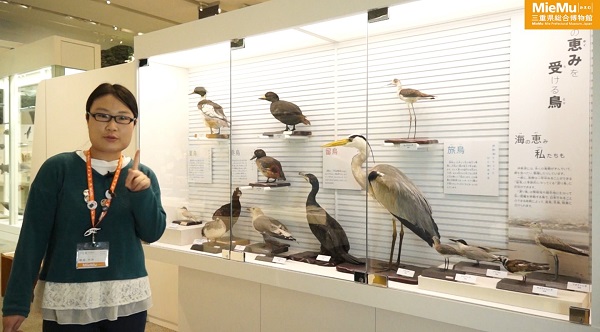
[(269, 227), (214, 117), (522, 267), (230, 212), (554, 245), (214, 229), (286, 112), (410, 96), (331, 235), (395, 192), (268, 166)]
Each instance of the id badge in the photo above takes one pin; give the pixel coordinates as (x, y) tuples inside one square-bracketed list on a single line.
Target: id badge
[(92, 255)]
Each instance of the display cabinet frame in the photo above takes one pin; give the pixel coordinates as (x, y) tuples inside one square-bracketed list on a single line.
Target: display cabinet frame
[(186, 76)]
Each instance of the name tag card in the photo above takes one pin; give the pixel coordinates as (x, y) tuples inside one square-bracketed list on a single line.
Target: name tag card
[(541, 290), (467, 278), (496, 274), (92, 255), (405, 273), (239, 247), (323, 258), (200, 241), (278, 260), (578, 287)]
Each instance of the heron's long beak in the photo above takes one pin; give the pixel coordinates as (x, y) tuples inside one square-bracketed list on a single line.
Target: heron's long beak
[(339, 142)]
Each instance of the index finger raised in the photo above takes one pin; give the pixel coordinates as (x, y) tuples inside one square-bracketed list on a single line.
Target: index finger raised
[(136, 160)]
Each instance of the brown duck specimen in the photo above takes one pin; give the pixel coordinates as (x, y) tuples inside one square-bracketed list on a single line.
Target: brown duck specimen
[(285, 111), (268, 166), (230, 212)]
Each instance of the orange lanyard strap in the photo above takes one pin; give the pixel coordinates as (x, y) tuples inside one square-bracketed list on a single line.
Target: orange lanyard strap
[(89, 194)]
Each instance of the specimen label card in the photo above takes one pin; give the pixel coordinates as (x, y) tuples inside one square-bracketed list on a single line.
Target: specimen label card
[(199, 165), (337, 173), (471, 168), (468, 278), (545, 291), (496, 274), (405, 273), (243, 170)]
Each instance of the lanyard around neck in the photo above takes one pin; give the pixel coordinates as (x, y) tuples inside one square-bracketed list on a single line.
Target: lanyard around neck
[(91, 203)]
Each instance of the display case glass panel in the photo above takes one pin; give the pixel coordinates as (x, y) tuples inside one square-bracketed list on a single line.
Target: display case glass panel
[(419, 129), (4, 176)]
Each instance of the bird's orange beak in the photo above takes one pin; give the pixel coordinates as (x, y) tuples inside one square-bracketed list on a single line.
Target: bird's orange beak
[(339, 142)]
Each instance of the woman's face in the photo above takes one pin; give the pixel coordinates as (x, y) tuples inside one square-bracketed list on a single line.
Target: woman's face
[(109, 139)]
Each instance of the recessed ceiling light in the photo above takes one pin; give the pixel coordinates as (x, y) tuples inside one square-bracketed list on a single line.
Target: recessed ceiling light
[(5, 2), (126, 30), (115, 28), (108, 2), (24, 6), (92, 22), (140, 33)]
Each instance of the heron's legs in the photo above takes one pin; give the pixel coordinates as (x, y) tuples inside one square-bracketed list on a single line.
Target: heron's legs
[(393, 243), (400, 243)]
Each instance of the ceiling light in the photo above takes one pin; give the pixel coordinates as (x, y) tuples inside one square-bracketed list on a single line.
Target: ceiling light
[(140, 33), (69, 17), (92, 23), (3, 1), (24, 6), (115, 28), (108, 2)]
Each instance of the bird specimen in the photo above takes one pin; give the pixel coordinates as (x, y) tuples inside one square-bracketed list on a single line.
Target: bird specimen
[(268, 166), (410, 96), (395, 192), (474, 252), (269, 227), (487, 249), (214, 229), (331, 235), (445, 250), (554, 245), (187, 215), (230, 212), (286, 112), (214, 117), (522, 267)]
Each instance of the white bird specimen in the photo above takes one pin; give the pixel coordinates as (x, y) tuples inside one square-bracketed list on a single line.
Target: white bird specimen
[(474, 252), (187, 215), (214, 117)]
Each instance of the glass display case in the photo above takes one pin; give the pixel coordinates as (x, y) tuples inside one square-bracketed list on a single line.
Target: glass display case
[(390, 148)]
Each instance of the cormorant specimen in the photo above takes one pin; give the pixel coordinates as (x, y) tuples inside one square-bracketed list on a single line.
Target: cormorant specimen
[(214, 117), (394, 191), (284, 111), (410, 96), (326, 229), (268, 166), (230, 212)]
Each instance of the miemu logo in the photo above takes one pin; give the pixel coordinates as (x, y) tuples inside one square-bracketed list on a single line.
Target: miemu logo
[(544, 7)]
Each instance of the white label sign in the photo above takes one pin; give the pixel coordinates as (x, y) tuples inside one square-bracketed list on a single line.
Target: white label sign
[(323, 258), (496, 274), (405, 273), (470, 279), (545, 291), (279, 260), (575, 286)]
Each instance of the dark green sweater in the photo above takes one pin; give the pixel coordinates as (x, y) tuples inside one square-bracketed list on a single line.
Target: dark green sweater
[(56, 217)]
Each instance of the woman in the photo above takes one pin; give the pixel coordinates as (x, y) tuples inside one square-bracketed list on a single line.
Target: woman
[(86, 216)]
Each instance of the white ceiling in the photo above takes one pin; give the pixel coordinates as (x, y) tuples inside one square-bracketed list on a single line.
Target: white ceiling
[(73, 18)]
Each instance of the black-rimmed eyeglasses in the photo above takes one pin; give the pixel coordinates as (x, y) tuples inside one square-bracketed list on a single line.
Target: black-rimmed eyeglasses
[(120, 119)]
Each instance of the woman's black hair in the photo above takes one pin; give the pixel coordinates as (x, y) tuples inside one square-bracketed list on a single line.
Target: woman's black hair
[(118, 91)]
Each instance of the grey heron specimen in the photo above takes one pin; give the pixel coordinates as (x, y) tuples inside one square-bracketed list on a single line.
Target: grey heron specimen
[(445, 250), (410, 96), (395, 192), (214, 117), (522, 267), (554, 245)]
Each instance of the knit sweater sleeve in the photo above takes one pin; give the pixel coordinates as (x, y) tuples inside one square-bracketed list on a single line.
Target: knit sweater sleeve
[(36, 230)]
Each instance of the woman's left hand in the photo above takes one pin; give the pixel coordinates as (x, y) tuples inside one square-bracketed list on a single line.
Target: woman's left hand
[(136, 180)]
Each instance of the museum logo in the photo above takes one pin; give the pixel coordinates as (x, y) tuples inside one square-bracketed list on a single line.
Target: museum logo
[(560, 15)]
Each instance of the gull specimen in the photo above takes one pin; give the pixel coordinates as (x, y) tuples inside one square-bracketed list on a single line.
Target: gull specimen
[(286, 112), (214, 117), (268, 166), (410, 96), (474, 252), (554, 245), (445, 250), (269, 227), (329, 232), (395, 192), (522, 267)]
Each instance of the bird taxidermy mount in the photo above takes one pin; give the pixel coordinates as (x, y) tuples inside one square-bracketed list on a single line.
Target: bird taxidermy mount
[(214, 116), (287, 113), (410, 96), (230, 213), (186, 218), (269, 167), (272, 230)]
